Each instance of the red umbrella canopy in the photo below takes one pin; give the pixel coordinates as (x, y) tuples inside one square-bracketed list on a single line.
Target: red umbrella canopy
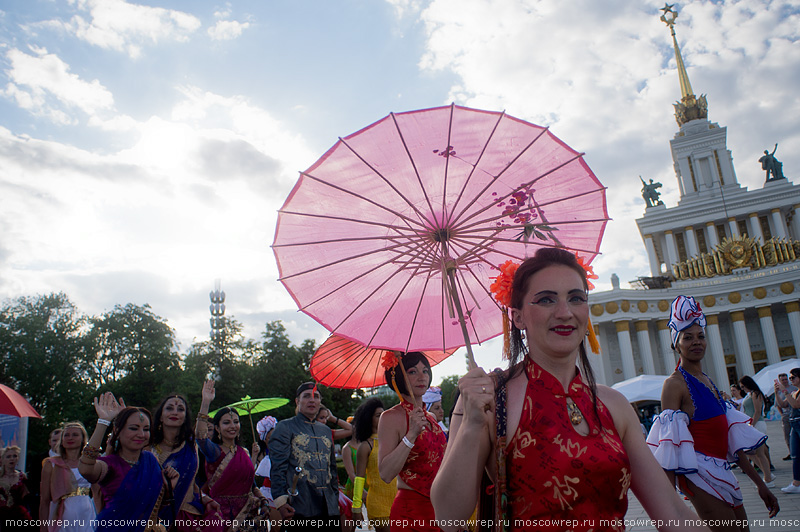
[(13, 404), (343, 363), (400, 227)]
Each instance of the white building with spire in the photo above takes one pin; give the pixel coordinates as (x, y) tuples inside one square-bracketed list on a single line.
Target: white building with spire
[(736, 251)]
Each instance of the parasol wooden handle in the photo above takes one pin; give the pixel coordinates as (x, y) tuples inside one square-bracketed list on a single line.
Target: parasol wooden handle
[(451, 287)]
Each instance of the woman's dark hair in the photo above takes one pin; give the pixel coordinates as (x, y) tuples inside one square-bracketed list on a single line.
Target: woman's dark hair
[(409, 360), (748, 382), (739, 388), (544, 258), (121, 420), (217, 418), (185, 433), (795, 372), (362, 420)]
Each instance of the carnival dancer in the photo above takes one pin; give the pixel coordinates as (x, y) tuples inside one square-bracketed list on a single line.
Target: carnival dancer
[(381, 494), (174, 446), (229, 470), (13, 487), (305, 482), (698, 433), (433, 404), (66, 497), (574, 448), (412, 443), (130, 479)]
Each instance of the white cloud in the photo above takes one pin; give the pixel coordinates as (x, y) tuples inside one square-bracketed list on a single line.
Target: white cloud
[(41, 82), (225, 30), (603, 77), (119, 25)]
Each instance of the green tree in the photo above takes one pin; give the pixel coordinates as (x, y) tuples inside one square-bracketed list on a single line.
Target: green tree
[(135, 354), (44, 358), (449, 387)]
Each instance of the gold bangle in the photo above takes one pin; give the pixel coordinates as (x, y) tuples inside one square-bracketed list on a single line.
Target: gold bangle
[(203, 416)]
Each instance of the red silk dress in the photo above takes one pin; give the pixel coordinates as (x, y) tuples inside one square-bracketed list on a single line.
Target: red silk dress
[(412, 509), (557, 478)]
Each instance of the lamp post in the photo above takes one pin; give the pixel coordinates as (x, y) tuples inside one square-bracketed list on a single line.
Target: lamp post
[(217, 320)]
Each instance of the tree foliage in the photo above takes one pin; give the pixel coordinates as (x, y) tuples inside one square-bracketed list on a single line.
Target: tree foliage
[(60, 359)]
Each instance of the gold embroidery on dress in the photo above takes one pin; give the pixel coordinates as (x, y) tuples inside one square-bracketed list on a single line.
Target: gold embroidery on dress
[(612, 441), (568, 448), (625, 481), (563, 490), (523, 440)]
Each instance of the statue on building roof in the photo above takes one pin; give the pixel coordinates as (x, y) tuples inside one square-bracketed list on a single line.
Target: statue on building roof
[(650, 194), (772, 165)]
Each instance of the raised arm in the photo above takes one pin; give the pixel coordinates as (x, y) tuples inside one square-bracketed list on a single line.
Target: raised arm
[(107, 408), (208, 394), (455, 489), (393, 450)]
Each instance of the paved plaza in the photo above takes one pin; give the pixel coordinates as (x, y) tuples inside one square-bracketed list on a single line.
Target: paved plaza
[(787, 520)]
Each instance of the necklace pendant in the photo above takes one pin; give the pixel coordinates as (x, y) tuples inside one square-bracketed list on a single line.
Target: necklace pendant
[(575, 416)]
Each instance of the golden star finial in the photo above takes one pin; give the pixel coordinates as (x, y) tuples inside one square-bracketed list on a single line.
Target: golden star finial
[(669, 20)]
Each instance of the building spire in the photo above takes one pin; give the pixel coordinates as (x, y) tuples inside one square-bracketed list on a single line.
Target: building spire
[(690, 107)]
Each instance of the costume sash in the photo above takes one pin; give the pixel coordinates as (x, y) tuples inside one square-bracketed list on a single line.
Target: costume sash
[(62, 483), (132, 505), (184, 460)]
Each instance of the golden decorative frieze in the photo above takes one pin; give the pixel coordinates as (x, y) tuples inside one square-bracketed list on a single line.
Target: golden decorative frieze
[(736, 253)]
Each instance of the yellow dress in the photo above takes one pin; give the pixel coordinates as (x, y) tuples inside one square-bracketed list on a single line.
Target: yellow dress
[(380, 495)]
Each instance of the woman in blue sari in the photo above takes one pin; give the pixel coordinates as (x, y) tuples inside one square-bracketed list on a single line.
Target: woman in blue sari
[(131, 480), (174, 446)]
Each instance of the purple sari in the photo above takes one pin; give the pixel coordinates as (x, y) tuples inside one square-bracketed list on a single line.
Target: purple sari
[(130, 493), (230, 482)]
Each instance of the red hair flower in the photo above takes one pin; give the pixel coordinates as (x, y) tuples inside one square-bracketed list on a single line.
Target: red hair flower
[(501, 287), (390, 360), (589, 272)]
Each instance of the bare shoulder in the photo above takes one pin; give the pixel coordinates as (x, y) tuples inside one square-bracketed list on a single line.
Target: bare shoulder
[(674, 385), (612, 398), (394, 416)]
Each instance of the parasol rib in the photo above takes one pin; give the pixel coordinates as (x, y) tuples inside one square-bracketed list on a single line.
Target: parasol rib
[(475, 167), (495, 178), (413, 165), (364, 198)]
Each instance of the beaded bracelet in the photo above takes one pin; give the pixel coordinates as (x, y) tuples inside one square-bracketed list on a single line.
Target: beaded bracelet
[(90, 451)]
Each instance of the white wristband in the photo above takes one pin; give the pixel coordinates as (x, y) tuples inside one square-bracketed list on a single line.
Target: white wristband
[(408, 443), (104, 422)]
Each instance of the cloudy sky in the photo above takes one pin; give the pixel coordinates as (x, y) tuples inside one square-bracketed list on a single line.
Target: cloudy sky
[(145, 147)]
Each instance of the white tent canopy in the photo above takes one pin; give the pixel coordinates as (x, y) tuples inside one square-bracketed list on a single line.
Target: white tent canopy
[(642, 388), (767, 376)]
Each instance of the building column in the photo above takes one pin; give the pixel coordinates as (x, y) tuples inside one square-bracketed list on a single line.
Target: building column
[(626, 349), (596, 360), (768, 330), (643, 337), (793, 313), (655, 265), (665, 341), (796, 221), (717, 354), (711, 236), (732, 225), (779, 223), (692, 248), (744, 359), (755, 227), (672, 250)]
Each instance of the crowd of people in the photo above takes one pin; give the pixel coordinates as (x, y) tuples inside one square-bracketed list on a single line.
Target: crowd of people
[(537, 446)]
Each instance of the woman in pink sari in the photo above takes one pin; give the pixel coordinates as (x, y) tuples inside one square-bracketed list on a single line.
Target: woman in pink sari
[(229, 470)]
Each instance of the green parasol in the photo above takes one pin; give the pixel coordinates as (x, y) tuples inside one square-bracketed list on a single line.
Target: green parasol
[(253, 406)]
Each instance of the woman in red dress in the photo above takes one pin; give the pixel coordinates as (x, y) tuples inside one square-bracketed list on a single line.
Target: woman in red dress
[(562, 451), (412, 445)]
